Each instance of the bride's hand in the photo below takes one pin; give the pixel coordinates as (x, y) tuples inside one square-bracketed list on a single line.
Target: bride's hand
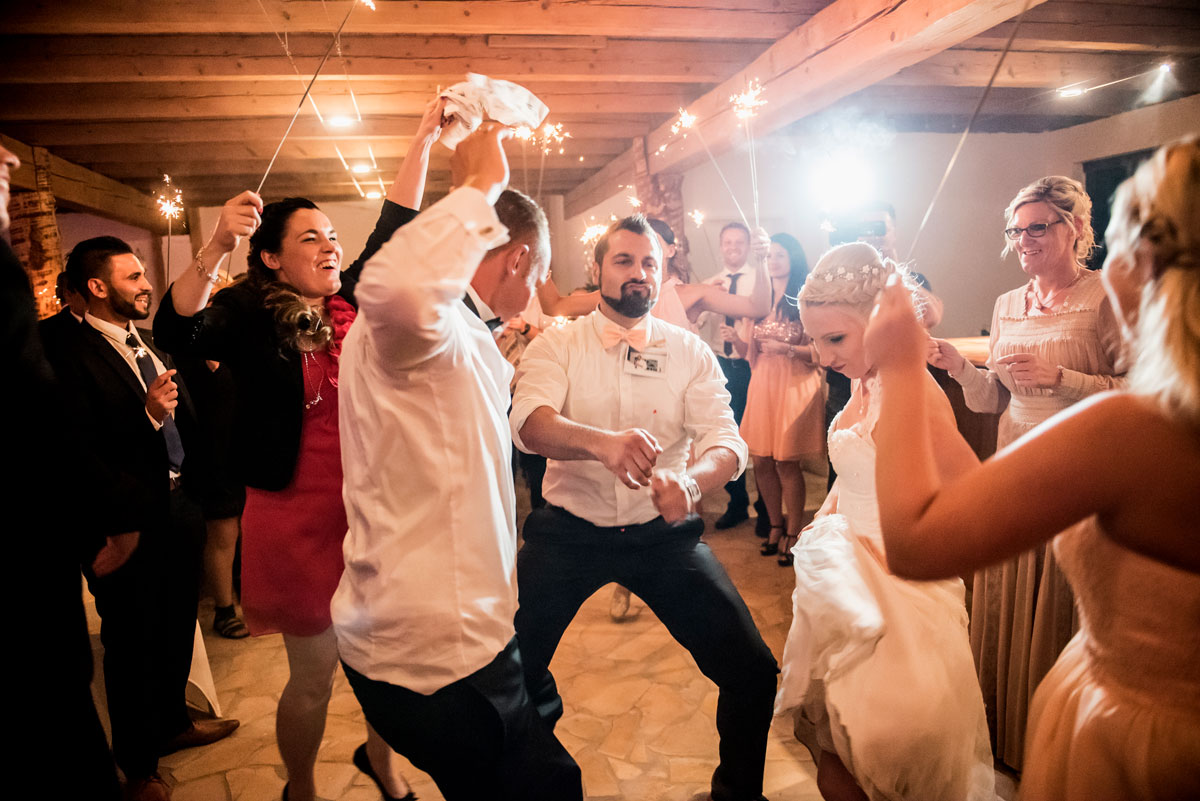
[(894, 340)]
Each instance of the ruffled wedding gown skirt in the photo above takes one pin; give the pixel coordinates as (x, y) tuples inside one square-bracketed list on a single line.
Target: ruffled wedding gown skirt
[(881, 667)]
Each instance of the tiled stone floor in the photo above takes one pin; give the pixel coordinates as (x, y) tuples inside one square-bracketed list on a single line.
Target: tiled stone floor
[(639, 714)]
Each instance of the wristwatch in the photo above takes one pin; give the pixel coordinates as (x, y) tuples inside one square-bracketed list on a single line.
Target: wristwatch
[(693, 491)]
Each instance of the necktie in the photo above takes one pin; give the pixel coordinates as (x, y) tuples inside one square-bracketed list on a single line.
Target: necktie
[(614, 334), (733, 281), (149, 372)]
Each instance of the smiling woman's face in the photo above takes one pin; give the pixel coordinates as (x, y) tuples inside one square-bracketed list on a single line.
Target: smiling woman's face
[(837, 331), (309, 257)]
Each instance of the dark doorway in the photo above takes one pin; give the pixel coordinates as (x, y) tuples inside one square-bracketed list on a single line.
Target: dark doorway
[(1101, 179)]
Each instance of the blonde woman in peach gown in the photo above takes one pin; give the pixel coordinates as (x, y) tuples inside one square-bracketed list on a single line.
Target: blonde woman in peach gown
[(1118, 716), (1054, 341)]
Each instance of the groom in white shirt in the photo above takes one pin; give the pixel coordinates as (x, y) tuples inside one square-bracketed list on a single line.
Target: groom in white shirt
[(615, 401)]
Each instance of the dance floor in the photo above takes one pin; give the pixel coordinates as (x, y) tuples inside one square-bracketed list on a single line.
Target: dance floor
[(639, 714)]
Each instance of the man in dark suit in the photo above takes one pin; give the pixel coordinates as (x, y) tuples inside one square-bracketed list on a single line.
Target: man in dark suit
[(139, 421), (53, 330)]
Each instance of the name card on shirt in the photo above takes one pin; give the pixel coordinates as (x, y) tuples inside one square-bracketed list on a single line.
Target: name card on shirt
[(652, 362)]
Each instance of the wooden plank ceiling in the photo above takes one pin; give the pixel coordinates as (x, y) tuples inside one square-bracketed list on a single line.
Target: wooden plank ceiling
[(203, 91)]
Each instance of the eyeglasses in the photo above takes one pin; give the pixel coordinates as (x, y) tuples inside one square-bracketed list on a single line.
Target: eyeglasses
[(1036, 230)]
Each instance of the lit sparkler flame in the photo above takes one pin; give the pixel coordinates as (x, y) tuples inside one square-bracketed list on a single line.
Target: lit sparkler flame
[(170, 200), (369, 4), (685, 121), (746, 104), (633, 201), (697, 217), (592, 233), (523, 132)]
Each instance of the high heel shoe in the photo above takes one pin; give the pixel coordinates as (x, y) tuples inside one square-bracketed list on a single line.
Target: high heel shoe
[(771, 546), (786, 559)]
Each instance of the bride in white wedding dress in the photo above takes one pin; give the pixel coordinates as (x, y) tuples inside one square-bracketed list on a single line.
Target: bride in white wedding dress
[(880, 667)]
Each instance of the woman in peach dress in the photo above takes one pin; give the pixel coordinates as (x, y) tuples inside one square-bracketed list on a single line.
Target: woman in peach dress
[(784, 423), (1118, 715)]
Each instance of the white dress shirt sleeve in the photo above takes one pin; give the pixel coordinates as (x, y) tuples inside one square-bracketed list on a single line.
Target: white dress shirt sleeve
[(541, 381), (707, 416), (408, 289)]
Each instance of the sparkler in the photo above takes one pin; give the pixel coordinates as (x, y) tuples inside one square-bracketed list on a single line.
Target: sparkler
[(549, 138), (369, 4), (745, 106), (687, 123), (170, 206), (697, 217)]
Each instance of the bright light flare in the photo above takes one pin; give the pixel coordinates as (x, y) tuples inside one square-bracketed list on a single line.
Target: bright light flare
[(1074, 91), (1164, 67), (697, 217), (341, 121), (360, 168), (633, 201), (374, 194), (369, 4), (842, 181)]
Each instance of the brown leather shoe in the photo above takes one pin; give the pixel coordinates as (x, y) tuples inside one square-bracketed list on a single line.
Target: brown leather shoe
[(151, 788), (202, 732)]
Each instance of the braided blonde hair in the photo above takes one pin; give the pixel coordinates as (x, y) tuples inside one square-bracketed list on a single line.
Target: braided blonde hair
[(852, 275), (1159, 208)]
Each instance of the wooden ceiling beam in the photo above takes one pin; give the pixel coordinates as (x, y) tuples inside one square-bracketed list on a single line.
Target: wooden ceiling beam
[(764, 20), (385, 150), (1098, 26), (849, 45), (962, 67), (883, 102), (444, 59), (80, 189), (242, 99), (180, 169), (307, 129)]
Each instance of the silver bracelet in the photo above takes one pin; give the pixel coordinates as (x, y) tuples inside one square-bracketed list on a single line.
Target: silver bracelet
[(205, 274)]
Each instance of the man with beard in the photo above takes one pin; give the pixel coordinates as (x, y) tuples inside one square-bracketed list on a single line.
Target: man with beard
[(615, 401), (140, 424)]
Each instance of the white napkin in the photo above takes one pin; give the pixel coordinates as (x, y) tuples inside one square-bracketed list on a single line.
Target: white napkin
[(478, 97)]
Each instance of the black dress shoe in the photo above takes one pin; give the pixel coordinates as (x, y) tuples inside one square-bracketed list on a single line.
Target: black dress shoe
[(762, 520), (363, 763), (731, 518)]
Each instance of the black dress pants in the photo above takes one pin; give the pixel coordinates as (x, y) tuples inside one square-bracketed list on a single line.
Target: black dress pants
[(737, 382), (479, 737), (147, 614), (565, 559)]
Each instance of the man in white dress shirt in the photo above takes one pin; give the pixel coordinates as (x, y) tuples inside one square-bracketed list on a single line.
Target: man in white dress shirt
[(615, 401), (738, 280), (424, 610)]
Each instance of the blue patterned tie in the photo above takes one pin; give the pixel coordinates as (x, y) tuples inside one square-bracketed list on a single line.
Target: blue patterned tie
[(149, 372)]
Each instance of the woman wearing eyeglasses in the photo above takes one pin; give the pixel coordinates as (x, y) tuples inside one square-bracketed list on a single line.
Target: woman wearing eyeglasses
[(1054, 341)]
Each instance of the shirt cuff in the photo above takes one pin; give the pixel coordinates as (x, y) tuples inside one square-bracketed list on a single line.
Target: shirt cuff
[(157, 425), (470, 206)]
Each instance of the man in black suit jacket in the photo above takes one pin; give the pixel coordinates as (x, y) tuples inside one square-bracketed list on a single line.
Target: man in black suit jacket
[(55, 330), (139, 420)]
